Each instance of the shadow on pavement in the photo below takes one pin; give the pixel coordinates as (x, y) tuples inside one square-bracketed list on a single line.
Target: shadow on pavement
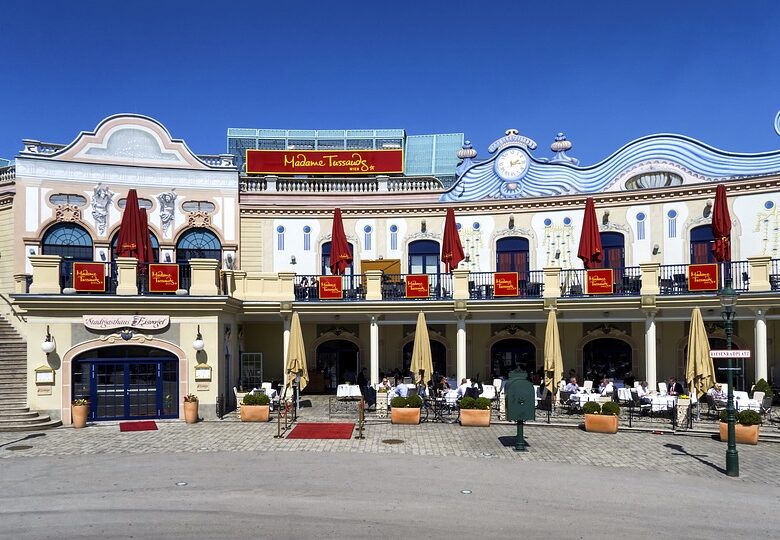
[(682, 451), (509, 440), (30, 436)]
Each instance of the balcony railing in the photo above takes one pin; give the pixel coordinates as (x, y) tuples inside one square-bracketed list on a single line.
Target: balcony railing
[(112, 279), (774, 276), (307, 288), (394, 287), (673, 278), (626, 281), (529, 285)]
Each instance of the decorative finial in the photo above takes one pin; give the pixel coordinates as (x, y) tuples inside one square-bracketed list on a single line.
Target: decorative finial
[(560, 147), (511, 131), (467, 151)]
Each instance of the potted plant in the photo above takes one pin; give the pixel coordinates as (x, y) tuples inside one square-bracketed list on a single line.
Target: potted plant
[(190, 408), (475, 412), (601, 418), (255, 408), (745, 428), (79, 410), (405, 410)]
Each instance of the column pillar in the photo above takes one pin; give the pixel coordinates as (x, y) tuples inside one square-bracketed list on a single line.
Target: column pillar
[(760, 338), (286, 321), (374, 339), (127, 276), (650, 350), (460, 367)]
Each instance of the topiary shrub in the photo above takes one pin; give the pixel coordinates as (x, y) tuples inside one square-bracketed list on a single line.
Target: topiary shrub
[(748, 418), (255, 399), (591, 407), (414, 402), (610, 408), (763, 386), (468, 403), (398, 402)]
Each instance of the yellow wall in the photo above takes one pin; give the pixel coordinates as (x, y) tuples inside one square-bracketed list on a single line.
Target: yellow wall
[(7, 249)]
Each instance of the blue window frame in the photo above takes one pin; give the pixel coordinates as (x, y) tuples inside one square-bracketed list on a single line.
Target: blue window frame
[(701, 245), (325, 270), (198, 244), (393, 237), (613, 245), (512, 256), (424, 257)]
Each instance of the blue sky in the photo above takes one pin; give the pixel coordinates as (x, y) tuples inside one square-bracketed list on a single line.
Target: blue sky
[(602, 72)]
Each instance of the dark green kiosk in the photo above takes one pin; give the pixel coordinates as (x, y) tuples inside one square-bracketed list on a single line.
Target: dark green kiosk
[(520, 402)]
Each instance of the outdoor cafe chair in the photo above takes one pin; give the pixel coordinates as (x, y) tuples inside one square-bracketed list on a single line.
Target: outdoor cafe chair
[(587, 386), (765, 407), (564, 401), (662, 389), (714, 406)]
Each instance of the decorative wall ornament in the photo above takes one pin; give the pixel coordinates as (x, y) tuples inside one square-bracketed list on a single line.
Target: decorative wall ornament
[(513, 330), (167, 202), (610, 226), (101, 201), (199, 219), (422, 236), (67, 212), (522, 231), (768, 224)]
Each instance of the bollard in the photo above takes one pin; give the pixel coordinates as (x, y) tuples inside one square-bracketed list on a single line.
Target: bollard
[(278, 425), (361, 419)]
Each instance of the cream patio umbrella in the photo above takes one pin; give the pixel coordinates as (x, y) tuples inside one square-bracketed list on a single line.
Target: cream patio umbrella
[(699, 370), (296, 355), (421, 353), (553, 358)]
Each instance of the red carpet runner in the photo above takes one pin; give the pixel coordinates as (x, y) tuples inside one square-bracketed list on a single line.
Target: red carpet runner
[(144, 425), (322, 431)]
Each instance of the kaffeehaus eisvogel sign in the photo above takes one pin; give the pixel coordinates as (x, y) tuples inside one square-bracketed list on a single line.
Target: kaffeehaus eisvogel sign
[(324, 161), (141, 322)]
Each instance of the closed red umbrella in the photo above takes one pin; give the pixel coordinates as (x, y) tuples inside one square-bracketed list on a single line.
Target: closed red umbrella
[(147, 243), (451, 248), (590, 241), (721, 226), (340, 254), (131, 234)]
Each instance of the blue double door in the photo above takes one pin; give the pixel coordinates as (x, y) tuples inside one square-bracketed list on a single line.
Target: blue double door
[(127, 383)]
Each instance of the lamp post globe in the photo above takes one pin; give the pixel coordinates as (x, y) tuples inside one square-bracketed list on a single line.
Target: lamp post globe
[(728, 300), (48, 346)]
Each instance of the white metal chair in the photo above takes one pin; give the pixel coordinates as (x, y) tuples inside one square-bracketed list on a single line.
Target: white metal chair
[(488, 391), (587, 386), (759, 396), (239, 398), (662, 389)]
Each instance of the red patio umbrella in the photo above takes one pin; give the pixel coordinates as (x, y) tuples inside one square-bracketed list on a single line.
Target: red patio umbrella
[(130, 242), (590, 241), (340, 254), (721, 226), (147, 243), (451, 248)]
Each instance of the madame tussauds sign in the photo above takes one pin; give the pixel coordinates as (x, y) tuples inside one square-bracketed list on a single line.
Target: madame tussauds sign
[(142, 322)]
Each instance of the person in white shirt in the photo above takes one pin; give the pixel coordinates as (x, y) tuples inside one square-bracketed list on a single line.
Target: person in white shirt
[(462, 388), (609, 389), (384, 384), (643, 393), (572, 386)]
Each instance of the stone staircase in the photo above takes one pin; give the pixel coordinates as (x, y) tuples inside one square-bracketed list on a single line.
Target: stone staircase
[(14, 413)]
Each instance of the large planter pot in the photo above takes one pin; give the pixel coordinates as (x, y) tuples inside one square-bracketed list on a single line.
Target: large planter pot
[(475, 417), (403, 415), (78, 415), (601, 423), (255, 413), (190, 412), (744, 434)]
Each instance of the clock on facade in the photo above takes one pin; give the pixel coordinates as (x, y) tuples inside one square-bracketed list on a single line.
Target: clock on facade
[(511, 164)]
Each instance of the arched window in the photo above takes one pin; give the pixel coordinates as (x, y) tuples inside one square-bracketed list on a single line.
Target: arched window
[(424, 257), (613, 246), (198, 244), (701, 245), (152, 240), (326, 260), (69, 241), (512, 256)]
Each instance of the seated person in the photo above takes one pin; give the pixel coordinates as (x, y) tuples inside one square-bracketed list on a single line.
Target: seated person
[(717, 392), (401, 390), (442, 386), (609, 389), (674, 388), (369, 396), (385, 383), (474, 391), (643, 393), (602, 385), (462, 388), (572, 386)]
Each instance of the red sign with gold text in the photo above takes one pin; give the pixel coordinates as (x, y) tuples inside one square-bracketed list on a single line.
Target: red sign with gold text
[(330, 288), (599, 281), (324, 161), (163, 278), (505, 284), (703, 277), (89, 276), (417, 286)]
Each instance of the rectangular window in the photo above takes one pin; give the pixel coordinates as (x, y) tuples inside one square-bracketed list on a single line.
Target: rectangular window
[(280, 241), (672, 227), (394, 241), (306, 241), (640, 230), (367, 241)]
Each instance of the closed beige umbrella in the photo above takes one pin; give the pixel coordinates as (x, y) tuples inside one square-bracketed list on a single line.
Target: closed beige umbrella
[(421, 353), (553, 358), (296, 354), (699, 370)]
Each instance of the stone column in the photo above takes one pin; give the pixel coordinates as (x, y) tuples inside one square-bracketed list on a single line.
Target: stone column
[(650, 273), (286, 321), (374, 339), (650, 351), (761, 351), (552, 282), (204, 274), (460, 368), (760, 269), (127, 276), (373, 284), (460, 284), (46, 274)]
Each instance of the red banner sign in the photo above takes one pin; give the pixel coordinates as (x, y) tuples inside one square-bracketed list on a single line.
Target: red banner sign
[(505, 284), (417, 286), (89, 276), (163, 278), (703, 277), (330, 288), (599, 281), (324, 161)]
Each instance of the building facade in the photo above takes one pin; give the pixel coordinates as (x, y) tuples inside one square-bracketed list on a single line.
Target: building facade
[(253, 248)]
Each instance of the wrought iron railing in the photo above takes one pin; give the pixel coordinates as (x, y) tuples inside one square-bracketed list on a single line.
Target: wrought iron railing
[(394, 287), (529, 285), (673, 279), (307, 288), (774, 276)]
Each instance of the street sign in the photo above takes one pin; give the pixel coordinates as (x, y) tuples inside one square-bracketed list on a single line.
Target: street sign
[(729, 354)]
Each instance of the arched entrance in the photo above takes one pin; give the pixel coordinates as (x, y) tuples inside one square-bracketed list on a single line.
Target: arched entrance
[(127, 382), (509, 354), (339, 359), (438, 358), (606, 357)]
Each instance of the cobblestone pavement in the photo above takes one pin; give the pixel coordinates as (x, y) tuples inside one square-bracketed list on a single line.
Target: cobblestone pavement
[(688, 455)]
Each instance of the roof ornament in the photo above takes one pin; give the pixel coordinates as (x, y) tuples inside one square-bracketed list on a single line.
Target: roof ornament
[(512, 138), (777, 123), (560, 147), (467, 151)]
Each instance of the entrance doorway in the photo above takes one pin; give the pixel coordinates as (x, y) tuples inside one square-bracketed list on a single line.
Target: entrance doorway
[(339, 360), (509, 354), (606, 357), (438, 359), (127, 383)]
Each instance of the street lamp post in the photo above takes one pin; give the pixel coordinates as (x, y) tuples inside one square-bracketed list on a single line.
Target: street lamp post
[(728, 299)]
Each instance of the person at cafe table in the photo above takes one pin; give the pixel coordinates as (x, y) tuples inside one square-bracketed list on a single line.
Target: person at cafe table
[(572, 386), (674, 388), (401, 390)]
